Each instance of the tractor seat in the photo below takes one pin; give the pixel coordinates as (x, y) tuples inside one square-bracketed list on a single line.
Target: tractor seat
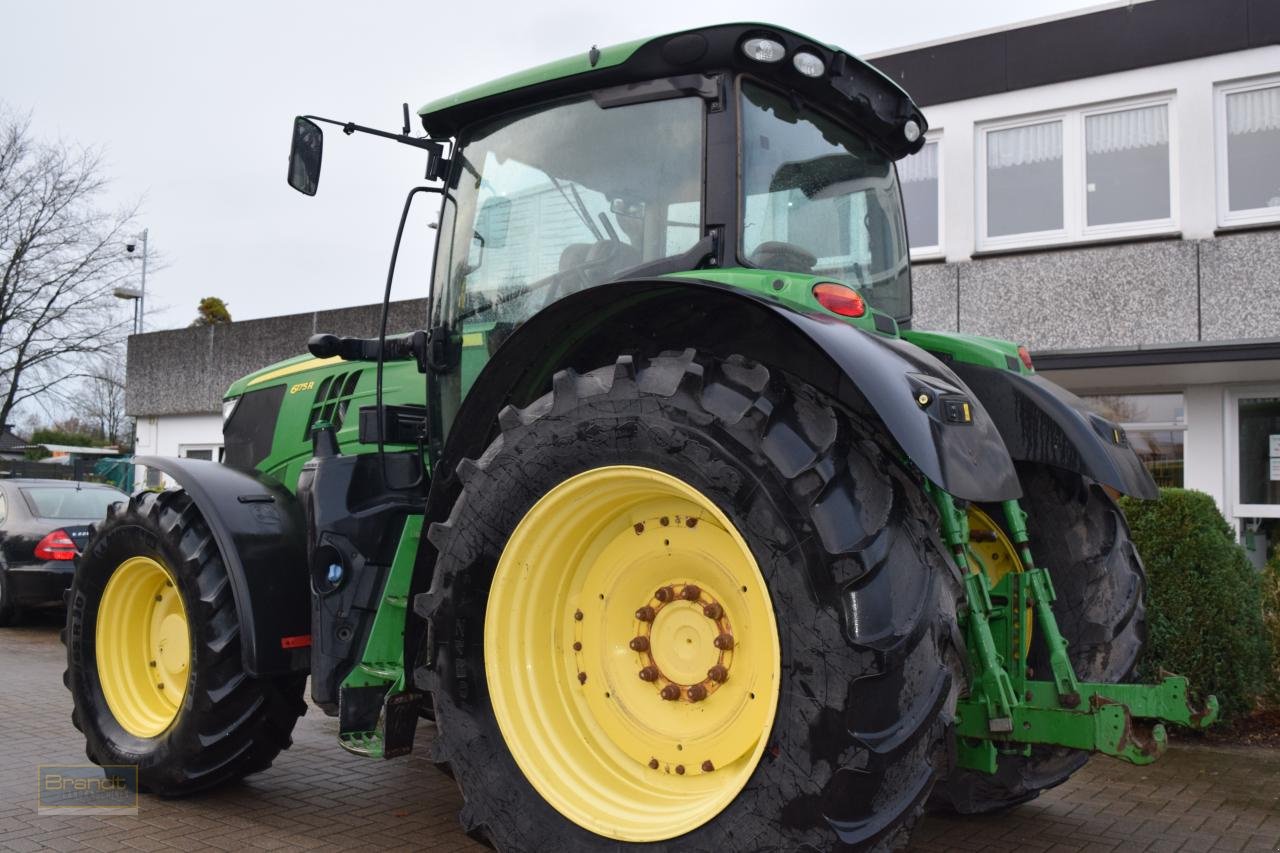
[(785, 257)]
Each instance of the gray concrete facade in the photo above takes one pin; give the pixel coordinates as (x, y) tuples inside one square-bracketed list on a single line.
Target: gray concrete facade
[(1125, 295), (186, 371)]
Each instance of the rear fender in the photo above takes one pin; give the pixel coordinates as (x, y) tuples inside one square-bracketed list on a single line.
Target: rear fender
[(258, 528), (1043, 422), (901, 384)]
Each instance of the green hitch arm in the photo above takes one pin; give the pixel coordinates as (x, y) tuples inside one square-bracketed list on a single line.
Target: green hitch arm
[(1124, 721), (992, 681), (1042, 598)]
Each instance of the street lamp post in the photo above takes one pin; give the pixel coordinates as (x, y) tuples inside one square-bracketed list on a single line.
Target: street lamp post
[(139, 296)]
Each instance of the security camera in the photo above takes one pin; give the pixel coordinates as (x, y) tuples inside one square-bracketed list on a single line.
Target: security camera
[(130, 246)]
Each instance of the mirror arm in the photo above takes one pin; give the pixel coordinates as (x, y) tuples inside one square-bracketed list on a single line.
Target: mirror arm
[(350, 127)]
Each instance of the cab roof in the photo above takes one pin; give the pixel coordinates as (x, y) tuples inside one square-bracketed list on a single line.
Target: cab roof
[(848, 87)]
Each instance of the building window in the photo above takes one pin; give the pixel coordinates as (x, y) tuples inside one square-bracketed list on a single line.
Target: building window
[(1083, 174), (1156, 426), (1248, 119), (208, 452), (920, 177), (1024, 180), (1258, 433), (1127, 166)]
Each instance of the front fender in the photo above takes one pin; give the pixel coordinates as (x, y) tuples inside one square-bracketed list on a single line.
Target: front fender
[(904, 386), (1043, 422), (258, 528)]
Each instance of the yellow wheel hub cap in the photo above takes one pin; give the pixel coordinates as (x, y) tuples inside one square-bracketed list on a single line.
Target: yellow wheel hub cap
[(997, 557), (143, 647), (631, 652)]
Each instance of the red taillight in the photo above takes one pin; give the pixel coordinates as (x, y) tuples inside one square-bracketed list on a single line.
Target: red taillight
[(839, 299), (1025, 355), (56, 546)]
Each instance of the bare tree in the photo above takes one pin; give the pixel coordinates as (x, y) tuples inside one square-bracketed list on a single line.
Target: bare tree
[(60, 258), (99, 399)]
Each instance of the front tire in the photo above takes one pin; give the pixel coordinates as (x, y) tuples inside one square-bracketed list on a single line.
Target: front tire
[(854, 655), (1080, 536), (153, 655)]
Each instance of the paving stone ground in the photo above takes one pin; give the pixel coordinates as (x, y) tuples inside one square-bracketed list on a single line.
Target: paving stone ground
[(318, 797)]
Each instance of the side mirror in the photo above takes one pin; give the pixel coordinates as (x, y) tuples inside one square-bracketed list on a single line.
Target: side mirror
[(492, 221), (304, 156)]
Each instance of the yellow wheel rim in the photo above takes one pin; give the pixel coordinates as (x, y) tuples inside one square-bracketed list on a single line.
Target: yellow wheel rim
[(143, 647), (997, 557), (631, 652)]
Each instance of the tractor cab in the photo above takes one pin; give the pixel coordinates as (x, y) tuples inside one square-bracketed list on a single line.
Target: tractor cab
[(735, 147)]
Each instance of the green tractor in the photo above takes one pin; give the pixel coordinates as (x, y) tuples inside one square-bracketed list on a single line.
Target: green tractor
[(668, 519)]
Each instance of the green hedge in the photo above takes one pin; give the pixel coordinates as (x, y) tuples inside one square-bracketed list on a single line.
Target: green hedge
[(1204, 608), (1271, 618)]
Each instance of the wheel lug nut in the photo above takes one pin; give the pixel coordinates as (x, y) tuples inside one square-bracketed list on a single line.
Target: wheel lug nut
[(653, 764), (645, 614), (577, 614), (671, 693), (707, 767), (692, 522), (582, 678), (718, 674), (680, 769), (649, 673), (713, 610), (691, 593), (639, 527), (639, 644), (577, 647), (724, 642), (697, 693), (664, 521), (665, 594)]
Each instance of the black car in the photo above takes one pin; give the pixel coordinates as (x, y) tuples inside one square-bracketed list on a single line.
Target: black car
[(44, 524)]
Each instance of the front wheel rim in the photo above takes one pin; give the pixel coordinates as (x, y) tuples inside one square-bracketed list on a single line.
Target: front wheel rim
[(143, 647), (632, 653)]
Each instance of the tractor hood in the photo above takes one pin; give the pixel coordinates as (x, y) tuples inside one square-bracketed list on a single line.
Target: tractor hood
[(845, 86), (274, 374)]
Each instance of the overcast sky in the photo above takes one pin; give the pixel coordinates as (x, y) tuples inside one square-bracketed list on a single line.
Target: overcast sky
[(192, 104)]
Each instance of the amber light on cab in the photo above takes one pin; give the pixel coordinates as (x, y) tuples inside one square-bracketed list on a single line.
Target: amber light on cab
[(839, 299), (1025, 355)]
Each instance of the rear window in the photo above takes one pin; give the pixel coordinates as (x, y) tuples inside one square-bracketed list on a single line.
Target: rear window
[(70, 502)]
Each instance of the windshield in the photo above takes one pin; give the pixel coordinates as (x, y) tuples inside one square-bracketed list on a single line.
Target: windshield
[(554, 201), (70, 502), (817, 198)]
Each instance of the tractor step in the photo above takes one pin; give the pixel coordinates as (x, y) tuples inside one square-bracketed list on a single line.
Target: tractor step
[(365, 744)]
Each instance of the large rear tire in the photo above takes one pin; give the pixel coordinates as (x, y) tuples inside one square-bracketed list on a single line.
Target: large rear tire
[(153, 655), (735, 497), (1080, 536)]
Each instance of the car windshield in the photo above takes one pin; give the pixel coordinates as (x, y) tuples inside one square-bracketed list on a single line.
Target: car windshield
[(817, 198), (70, 502), (557, 200)]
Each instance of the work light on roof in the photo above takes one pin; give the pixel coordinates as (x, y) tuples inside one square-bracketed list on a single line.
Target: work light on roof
[(763, 49), (911, 130), (808, 64)]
